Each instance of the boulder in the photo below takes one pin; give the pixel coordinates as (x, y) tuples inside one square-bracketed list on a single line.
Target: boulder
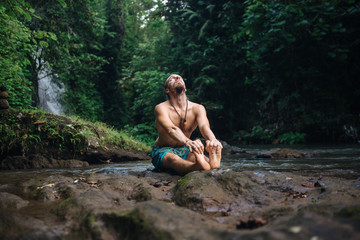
[(219, 190), (160, 220), (8, 200)]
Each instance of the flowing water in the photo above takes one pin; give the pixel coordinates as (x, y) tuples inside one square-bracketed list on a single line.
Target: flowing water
[(343, 159), (346, 157), (49, 91)]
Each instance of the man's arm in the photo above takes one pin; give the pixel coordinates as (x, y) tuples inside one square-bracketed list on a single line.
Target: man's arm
[(204, 127), (162, 118)]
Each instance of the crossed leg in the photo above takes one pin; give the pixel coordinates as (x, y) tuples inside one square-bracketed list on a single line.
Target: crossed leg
[(194, 162)]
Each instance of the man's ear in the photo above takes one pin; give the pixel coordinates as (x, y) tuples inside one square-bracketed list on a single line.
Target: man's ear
[(167, 91)]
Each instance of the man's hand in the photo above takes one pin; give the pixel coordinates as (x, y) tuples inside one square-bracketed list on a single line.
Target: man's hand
[(195, 146), (214, 144)]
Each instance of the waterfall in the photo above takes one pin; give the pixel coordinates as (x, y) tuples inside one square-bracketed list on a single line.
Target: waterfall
[(49, 91)]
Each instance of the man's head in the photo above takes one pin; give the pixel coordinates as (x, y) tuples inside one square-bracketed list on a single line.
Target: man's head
[(174, 83)]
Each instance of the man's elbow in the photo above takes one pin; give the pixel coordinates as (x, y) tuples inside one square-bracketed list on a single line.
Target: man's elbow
[(172, 130)]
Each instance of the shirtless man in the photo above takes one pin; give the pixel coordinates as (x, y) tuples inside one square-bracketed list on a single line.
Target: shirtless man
[(175, 120)]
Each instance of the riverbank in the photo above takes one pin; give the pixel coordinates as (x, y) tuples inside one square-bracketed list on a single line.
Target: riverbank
[(35, 139), (215, 204), (252, 197)]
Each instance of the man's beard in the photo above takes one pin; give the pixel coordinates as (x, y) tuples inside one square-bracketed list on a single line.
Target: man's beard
[(179, 89)]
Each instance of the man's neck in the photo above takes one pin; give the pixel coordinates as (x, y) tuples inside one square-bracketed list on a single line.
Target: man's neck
[(178, 100)]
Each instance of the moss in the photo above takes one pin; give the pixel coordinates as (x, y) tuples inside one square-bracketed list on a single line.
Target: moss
[(31, 131), (89, 219), (64, 203), (183, 181)]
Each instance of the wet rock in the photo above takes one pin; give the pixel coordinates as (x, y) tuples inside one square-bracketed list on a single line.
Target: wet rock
[(215, 204), (37, 161), (100, 155), (18, 226), (8, 200), (159, 220), (140, 193), (219, 190), (229, 149), (308, 225), (281, 153)]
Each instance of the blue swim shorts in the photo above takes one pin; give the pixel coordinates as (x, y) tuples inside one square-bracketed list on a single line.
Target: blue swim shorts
[(158, 154)]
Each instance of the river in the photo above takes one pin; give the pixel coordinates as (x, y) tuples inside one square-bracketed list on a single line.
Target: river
[(343, 159), (49, 201)]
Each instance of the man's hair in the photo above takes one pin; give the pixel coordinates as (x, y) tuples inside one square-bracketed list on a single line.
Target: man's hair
[(166, 85)]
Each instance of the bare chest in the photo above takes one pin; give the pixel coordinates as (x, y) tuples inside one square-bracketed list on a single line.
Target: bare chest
[(185, 121)]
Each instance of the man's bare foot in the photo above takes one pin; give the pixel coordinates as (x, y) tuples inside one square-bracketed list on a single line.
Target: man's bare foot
[(201, 163), (214, 156)]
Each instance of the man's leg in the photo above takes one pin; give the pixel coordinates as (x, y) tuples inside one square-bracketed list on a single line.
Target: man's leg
[(214, 156), (191, 157), (172, 161)]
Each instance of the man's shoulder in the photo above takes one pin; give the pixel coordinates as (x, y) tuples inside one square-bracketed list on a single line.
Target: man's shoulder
[(197, 106), (161, 106)]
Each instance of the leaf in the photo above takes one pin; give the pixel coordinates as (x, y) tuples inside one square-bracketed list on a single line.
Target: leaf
[(62, 3), (43, 44), (208, 67), (201, 33)]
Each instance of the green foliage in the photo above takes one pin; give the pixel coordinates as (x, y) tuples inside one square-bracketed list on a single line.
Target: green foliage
[(143, 132), (257, 135), (75, 58), (292, 138), (270, 63), (147, 89), (107, 135), (14, 46), (255, 65), (298, 59), (31, 131)]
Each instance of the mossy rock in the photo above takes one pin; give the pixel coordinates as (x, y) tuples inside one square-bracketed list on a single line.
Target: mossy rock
[(218, 185)]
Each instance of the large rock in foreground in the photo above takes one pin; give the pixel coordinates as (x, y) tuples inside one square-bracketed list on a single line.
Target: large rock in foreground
[(215, 204)]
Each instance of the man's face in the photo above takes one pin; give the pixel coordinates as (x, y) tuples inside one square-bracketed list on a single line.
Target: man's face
[(176, 83)]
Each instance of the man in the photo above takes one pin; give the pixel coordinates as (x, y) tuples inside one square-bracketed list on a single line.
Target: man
[(175, 120)]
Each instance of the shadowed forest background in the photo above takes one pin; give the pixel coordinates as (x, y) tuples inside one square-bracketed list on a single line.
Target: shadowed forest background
[(265, 70)]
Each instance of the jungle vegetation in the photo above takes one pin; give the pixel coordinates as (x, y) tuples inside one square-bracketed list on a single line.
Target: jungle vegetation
[(264, 70)]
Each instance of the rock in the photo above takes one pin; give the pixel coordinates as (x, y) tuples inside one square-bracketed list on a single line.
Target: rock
[(4, 104), (100, 155), (8, 200), (228, 149), (171, 222), (214, 204), (18, 226), (281, 153), (4, 95), (218, 190), (308, 225), (37, 161)]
